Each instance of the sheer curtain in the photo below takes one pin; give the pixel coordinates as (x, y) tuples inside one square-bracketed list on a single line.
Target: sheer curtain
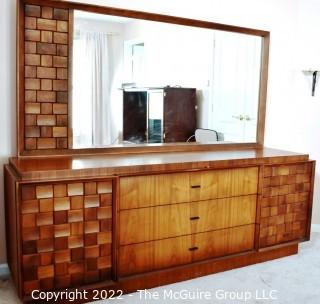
[(92, 124)]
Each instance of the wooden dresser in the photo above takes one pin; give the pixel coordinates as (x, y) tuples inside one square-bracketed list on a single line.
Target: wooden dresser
[(139, 221)]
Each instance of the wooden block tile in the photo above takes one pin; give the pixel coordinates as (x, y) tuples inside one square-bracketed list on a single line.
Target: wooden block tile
[(76, 241), (30, 143), (75, 216), (47, 12), (92, 252), (30, 234), (46, 60), (60, 38), (104, 262), (62, 50), (30, 23), (28, 220), (46, 232), (90, 214), (32, 10), (29, 247), (32, 131), (76, 201), (32, 108), (29, 286), (61, 14), (46, 24), (46, 108), (61, 203), (30, 72), (60, 217), (60, 243), (30, 47), (62, 26), (60, 62), (105, 187), (46, 36), (62, 230), (62, 281), (44, 191), (75, 189), (46, 85), (45, 218), (60, 85), (45, 245), (46, 143), (32, 35), (90, 188), (46, 131), (32, 84), (106, 225), (62, 143), (104, 238), (76, 267), (105, 250), (32, 59), (30, 120), (61, 269), (77, 254), (30, 260), (91, 201), (60, 190), (47, 73), (77, 228), (62, 256), (60, 108), (30, 96), (106, 199), (62, 97), (90, 239), (105, 213), (46, 48), (62, 73), (47, 284), (91, 264), (62, 120), (91, 226), (60, 131), (28, 192), (30, 273), (45, 272), (46, 120)]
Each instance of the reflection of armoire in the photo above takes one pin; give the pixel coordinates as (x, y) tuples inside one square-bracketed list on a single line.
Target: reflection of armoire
[(157, 115)]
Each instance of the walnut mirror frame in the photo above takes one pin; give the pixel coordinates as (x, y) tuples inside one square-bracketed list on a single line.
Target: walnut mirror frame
[(44, 46)]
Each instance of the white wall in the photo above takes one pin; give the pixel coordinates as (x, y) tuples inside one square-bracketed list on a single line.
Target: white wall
[(292, 116)]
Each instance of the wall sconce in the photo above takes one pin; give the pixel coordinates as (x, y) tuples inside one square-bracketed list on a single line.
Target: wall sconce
[(314, 74)]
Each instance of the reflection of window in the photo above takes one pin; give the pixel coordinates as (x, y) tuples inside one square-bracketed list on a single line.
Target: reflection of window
[(134, 57)]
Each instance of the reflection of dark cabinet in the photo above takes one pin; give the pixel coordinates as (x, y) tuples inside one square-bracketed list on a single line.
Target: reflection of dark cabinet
[(158, 115)]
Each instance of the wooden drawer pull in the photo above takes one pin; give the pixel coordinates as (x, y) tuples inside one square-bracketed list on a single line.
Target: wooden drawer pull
[(195, 186), (194, 218), (193, 248)]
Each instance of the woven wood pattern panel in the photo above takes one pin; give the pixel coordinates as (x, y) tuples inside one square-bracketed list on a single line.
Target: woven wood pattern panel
[(66, 232), (285, 203), (46, 78)]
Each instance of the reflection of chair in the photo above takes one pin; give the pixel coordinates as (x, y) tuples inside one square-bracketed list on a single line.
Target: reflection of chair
[(206, 135)]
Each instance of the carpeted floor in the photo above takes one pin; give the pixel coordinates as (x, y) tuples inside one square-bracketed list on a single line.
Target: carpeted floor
[(293, 280)]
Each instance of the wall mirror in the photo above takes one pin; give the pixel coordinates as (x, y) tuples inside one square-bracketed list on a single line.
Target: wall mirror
[(99, 77), (138, 81)]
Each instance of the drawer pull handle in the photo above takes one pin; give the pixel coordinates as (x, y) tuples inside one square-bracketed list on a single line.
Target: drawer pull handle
[(194, 218), (195, 186), (193, 248)]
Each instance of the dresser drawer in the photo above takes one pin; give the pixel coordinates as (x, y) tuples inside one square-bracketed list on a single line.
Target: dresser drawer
[(181, 219), (154, 190), (137, 258)]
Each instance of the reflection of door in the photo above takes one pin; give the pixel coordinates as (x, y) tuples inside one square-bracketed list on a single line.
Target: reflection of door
[(155, 116), (235, 88), (135, 116)]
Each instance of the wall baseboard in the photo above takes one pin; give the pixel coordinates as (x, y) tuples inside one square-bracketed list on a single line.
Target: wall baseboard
[(4, 271), (315, 228)]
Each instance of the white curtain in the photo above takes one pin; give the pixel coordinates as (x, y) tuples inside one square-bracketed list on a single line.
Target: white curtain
[(92, 124)]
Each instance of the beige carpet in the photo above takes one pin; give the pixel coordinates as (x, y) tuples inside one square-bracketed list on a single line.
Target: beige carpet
[(295, 280)]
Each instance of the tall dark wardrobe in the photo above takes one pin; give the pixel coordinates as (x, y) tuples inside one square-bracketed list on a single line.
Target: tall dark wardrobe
[(159, 115)]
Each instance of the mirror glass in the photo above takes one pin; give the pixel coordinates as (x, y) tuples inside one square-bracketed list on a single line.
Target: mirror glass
[(138, 82)]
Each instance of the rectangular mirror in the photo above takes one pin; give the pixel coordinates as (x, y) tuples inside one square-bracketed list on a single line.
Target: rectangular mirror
[(138, 82)]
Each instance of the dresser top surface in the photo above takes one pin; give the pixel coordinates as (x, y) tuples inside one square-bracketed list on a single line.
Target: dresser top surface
[(130, 164)]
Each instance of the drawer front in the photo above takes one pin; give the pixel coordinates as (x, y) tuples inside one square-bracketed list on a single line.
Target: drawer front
[(66, 231), (170, 252), (153, 190), (181, 219), (286, 203)]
